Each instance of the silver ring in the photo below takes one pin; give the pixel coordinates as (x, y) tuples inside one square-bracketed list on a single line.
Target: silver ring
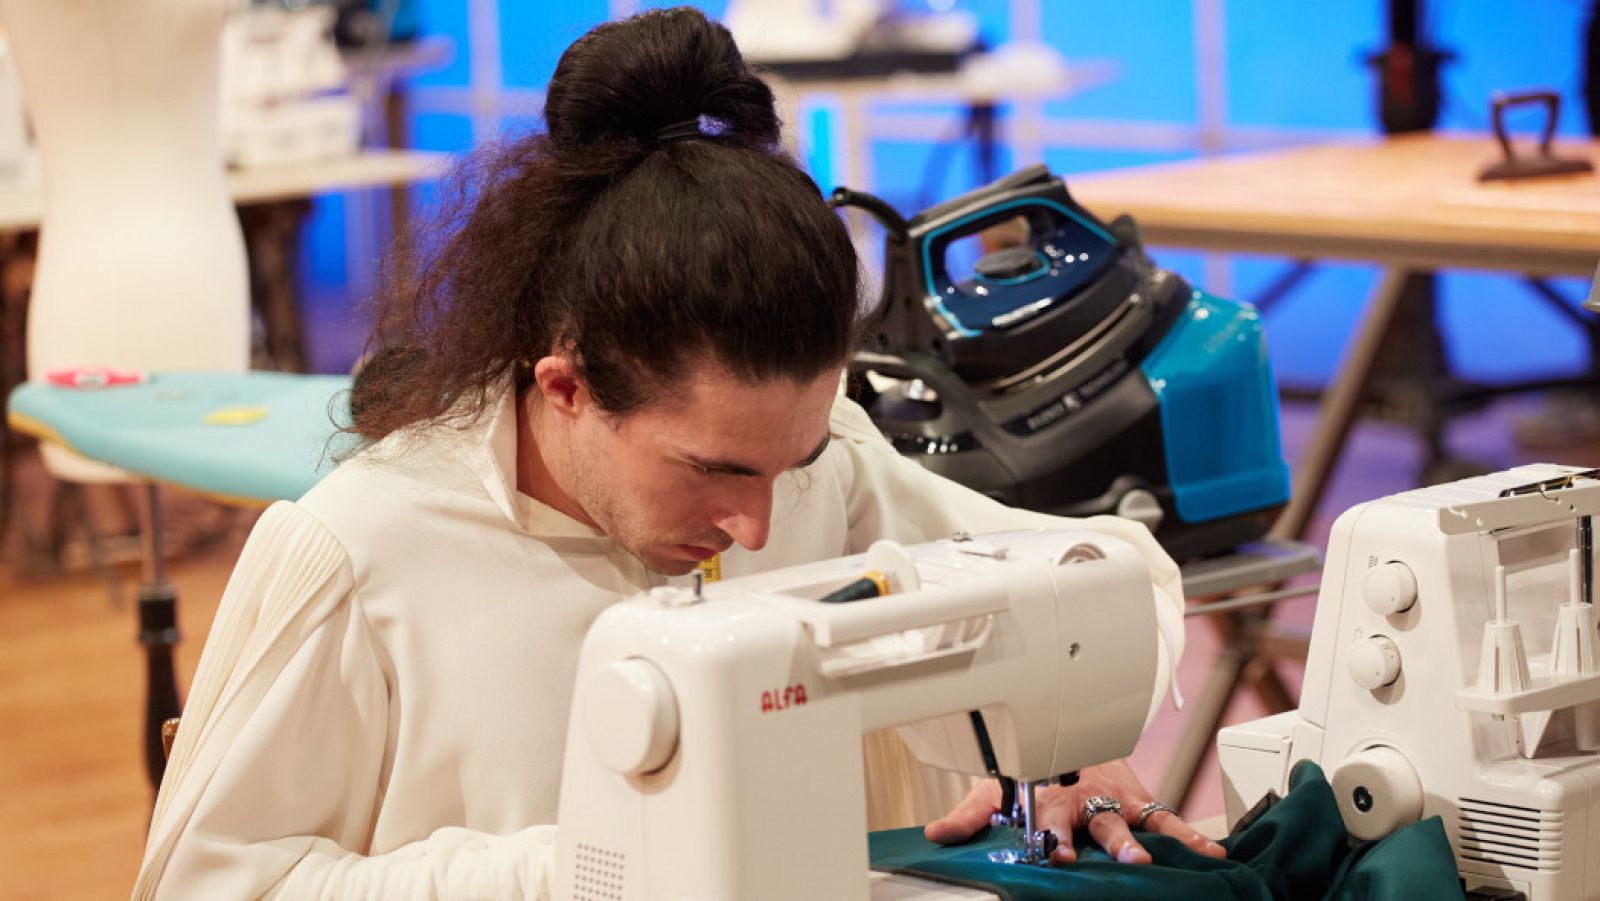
[(1150, 810), (1097, 805)]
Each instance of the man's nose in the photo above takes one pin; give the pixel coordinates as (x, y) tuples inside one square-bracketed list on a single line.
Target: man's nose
[(748, 519)]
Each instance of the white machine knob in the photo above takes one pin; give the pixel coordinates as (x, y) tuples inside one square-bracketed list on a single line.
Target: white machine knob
[(1375, 662), (1141, 506), (1389, 588), (1378, 792), (631, 716)]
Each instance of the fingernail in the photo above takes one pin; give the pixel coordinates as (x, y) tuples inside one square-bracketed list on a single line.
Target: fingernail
[(1125, 855)]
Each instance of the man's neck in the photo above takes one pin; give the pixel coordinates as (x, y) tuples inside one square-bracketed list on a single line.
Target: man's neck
[(535, 477)]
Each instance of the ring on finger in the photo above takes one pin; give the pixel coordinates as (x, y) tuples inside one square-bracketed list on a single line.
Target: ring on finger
[(1097, 805), (1150, 810)]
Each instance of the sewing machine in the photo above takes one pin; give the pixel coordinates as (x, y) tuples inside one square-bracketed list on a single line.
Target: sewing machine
[(1453, 672), (714, 750)]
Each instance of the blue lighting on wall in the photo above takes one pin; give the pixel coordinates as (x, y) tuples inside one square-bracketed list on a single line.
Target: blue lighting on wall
[(1290, 67)]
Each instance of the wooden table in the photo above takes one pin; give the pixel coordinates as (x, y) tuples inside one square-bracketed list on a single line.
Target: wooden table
[(22, 205), (1410, 204)]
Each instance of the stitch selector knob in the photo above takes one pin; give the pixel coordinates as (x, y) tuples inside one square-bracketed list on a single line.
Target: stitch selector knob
[(1375, 662), (1389, 588)]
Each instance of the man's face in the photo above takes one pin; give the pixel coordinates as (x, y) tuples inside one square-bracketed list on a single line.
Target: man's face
[(684, 478)]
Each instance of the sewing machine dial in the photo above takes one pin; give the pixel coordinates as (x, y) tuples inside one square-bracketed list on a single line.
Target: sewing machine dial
[(1389, 588), (1375, 662)]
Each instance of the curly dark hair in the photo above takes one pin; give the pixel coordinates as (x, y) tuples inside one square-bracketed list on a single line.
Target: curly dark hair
[(638, 254)]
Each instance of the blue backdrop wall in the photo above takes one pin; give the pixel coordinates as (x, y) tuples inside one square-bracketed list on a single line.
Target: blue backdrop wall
[(1293, 71)]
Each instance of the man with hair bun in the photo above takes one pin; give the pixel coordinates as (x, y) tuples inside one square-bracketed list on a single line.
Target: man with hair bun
[(620, 362)]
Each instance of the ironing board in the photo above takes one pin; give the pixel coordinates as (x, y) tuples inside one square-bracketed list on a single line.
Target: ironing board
[(241, 437), (249, 438)]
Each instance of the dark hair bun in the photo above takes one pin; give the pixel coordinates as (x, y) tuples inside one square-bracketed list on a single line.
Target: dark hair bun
[(625, 81)]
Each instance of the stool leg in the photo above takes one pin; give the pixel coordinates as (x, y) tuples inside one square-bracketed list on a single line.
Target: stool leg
[(158, 633)]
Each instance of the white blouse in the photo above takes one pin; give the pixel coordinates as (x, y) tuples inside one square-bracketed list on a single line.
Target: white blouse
[(381, 707)]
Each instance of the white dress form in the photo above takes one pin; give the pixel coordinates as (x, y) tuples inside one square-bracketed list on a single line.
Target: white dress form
[(141, 262)]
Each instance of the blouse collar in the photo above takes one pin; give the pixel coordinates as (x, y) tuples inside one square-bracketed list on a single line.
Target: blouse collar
[(495, 459)]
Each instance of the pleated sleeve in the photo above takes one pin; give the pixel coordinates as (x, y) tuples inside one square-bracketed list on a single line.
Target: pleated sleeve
[(274, 782)]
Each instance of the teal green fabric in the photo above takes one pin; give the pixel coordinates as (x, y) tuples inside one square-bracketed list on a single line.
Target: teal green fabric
[(1297, 850), (157, 429)]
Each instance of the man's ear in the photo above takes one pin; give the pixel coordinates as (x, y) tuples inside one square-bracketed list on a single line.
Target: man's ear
[(560, 384)]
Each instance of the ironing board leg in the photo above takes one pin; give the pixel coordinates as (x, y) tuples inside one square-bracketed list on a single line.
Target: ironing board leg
[(158, 633)]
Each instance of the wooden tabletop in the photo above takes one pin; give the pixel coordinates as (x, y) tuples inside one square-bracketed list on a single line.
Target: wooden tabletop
[(21, 203), (1412, 200)]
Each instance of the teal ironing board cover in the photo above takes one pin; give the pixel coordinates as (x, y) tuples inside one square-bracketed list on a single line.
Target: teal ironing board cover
[(1297, 850), (283, 438)]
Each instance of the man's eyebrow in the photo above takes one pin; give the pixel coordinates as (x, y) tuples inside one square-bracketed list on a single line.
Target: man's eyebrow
[(728, 467)]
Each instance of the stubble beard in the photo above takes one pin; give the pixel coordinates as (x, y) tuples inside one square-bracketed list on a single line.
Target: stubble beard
[(589, 489)]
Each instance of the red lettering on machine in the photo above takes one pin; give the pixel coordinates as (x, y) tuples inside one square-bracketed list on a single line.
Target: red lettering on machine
[(793, 695)]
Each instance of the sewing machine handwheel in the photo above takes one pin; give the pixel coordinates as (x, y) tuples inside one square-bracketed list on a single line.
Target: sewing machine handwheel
[(630, 715), (1378, 792)]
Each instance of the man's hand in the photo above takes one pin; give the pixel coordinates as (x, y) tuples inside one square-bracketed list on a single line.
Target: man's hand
[(1059, 810)]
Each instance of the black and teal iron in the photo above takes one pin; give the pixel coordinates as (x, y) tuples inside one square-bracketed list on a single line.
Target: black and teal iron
[(1066, 372)]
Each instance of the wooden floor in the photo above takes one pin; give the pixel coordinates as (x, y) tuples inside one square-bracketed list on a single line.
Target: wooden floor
[(73, 794), (73, 799)]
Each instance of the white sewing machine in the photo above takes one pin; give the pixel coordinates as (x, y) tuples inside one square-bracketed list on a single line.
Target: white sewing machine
[(714, 750), (1453, 672)]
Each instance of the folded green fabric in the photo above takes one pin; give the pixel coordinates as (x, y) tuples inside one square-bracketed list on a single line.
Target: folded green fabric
[(1297, 850)]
